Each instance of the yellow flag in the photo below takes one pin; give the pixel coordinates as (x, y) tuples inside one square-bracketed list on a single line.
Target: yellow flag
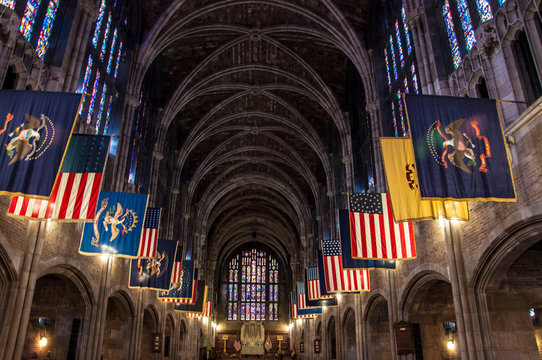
[(399, 164)]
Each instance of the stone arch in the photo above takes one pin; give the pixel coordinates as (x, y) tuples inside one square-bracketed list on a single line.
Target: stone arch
[(151, 323), (377, 329), (331, 338), (428, 305), (502, 307), (169, 337), (349, 334), (118, 326), (8, 278), (61, 312)]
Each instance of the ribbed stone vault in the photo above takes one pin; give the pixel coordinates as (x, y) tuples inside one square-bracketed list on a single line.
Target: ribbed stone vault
[(252, 91)]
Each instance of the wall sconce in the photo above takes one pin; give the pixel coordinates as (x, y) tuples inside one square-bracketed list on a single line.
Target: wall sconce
[(44, 322), (450, 329)]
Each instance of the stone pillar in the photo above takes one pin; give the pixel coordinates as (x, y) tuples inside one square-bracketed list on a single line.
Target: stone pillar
[(376, 133), (393, 311), (9, 23), (77, 43), (101, 310), (416, 26), (464, 319), (36, 232), (137, 327), (358, 316), (131, 105), (157, 157)]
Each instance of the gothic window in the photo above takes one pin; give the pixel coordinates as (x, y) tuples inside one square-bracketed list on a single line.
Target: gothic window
[(253, 290), (102, 66), (37, 22), (400, 70)]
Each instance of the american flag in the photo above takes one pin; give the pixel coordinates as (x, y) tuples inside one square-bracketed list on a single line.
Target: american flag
[(294, 305), (176, 276), (374, 233), (237, 344), (75, 193), (207, 313), (301, 302), (313, 284), (149, 235), (339, 279)]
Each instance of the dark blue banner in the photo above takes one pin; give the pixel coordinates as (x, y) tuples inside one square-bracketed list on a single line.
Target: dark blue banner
[(35, 127), (176, 292), (459, 148), (346, 246), (116, 228), (154, 273), (203, 294)]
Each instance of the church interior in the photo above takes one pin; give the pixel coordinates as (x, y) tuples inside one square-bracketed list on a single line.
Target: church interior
[(249, 124)]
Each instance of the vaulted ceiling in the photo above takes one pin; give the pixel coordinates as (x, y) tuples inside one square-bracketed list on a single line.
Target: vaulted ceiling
[(252, 91)]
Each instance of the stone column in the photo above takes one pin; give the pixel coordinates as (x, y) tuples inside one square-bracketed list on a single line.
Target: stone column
[(123, 149), (77, 44), (464, 318), (416, 26), (393, 311), (376, 133), (9, 22), (102, 308), (36, 232)]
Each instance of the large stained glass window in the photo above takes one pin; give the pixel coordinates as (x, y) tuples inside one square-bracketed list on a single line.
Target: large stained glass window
[(253, 286), (452, 39), (39, 35), (8, 3), (466, 24), (399, 60), (105, 50)]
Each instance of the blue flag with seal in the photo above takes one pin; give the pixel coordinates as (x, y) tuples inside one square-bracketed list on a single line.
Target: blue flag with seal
[(116, 228), (459, 149), (35, 127), (154, 273), (201, 297), (346, 247), (177, 293)]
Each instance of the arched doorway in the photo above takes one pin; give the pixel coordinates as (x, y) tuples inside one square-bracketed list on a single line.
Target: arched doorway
[(349, 335), (431, 311), (331, 339), (509, 294), (378, 329), (118, 327), (168, 339), (150, 326), (7, 298), (56, 318), (182, 338)]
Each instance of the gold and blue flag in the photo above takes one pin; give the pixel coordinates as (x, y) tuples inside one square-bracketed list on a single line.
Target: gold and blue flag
[(35, 127), (116, 228), (155, 272), (400, 166), (459, 149)]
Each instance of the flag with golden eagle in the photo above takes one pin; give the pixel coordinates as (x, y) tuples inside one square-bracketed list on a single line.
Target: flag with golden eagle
[(459, 149), (155, 272), (35, 127), (116, 228)]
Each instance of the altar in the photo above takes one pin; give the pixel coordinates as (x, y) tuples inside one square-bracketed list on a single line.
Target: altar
[(252, 338)]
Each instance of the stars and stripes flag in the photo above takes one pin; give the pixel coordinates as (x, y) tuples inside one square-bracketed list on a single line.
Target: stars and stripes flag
[(149, 235), (313, 284), (176, 276), (374, 233), (339, 279), (301, 301), (207, 313), (237, 344), (75, 192), (293, 301)]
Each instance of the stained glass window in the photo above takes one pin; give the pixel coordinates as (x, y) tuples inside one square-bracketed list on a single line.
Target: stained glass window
[(8, 3), (466, 23), (255, 292), (399, 43), (407, 31), (27, 22), (452, 39), (43, 40), (105, 50), (394, 63), (484, 10), (399, 58)]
